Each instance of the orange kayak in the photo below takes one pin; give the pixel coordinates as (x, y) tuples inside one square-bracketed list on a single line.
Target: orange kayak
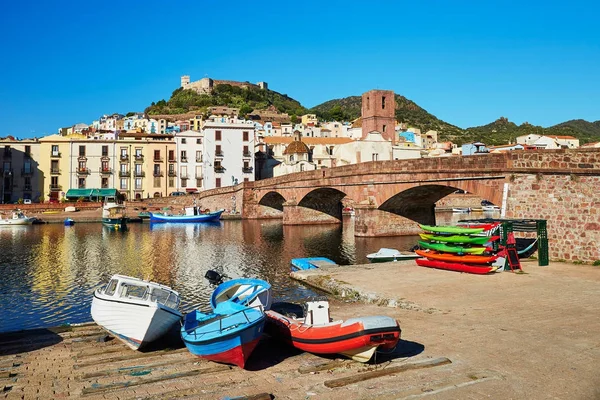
[(469, 259)]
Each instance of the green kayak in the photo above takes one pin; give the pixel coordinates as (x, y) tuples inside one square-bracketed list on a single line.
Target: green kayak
[(459, 238), (452, 249), (451, 229)]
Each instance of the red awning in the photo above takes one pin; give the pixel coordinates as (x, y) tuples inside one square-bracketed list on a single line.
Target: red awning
[(191, 190)]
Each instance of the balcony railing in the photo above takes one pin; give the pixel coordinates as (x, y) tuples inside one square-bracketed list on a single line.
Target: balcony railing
[(246, 154), (183, 159), (26, 172), (139, 174), (157, 158), (247, 170), (183, 176), (55, 154), (157, 174), (219, 170), (105, 171), (54, 171), (55, 187), (198, 159), (139, 157), (124, 174), (83, 171), (124, 157), (172, 173), (82, 158), (219, 153)]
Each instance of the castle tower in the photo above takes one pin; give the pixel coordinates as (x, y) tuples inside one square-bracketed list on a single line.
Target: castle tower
[(185, 80), (379, 113)]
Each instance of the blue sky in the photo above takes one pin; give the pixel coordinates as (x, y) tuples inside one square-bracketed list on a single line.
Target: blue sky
[(467, 62)]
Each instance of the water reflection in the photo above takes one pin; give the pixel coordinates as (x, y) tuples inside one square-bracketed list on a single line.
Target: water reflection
[(49, 272)]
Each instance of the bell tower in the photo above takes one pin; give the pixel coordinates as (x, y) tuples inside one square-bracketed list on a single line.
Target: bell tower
[(379, 113)]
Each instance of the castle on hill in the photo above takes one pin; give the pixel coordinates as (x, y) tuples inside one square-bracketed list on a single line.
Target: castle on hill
[(206, 85)]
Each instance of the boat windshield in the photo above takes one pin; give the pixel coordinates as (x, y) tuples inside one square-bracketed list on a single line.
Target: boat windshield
[(164, 297)]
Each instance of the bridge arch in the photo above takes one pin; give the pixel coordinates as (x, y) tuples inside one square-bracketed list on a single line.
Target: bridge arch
[(417, 203), (325, 200), (273, 199)]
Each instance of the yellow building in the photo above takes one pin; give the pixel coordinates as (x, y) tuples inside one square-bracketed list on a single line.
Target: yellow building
[(55, 154), (21, 177), (309, 118)]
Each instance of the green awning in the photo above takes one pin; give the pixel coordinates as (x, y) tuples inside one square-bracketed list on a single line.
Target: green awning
[(77, 193), (90, 193)]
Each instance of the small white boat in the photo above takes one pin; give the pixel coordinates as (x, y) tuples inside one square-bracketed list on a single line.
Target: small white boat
[(490, 208), (17, 218), (461, 210), (136, 311), (387, 255)]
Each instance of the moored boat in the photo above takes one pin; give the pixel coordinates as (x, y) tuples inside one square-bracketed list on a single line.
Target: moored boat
[(136, 311), (449, 257), (490, 208), (452, 229), (388, 255), (455, 266), (464, 239), (310, 263), (244, 291), (452, 249), (69, 222), (17, 218), (357, 338), (199, 217), (461, 210), (114, 214), (229, 335)]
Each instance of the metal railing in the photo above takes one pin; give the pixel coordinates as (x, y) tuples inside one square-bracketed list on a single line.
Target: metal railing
[(139, 157), (172, 173), (105, 170), (219, 153), (139, 174), (55, 187), (55, 154), (246, 154), (55, 171), (219, 170), (124, 174), (83, 171), (158, 173), (247, 169), (124, 157)]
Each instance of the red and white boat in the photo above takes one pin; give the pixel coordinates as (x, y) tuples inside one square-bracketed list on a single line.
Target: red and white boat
[(357, 338), (455, 266)]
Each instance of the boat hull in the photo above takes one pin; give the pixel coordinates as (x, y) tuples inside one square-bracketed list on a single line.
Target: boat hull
[(459, 238), (356, 337), (248, 292), (135, 323), (448, 257), (119, 224), (309, 263), (214, 216), (452, 249), (453, 266), (375, 259), (17, 221)]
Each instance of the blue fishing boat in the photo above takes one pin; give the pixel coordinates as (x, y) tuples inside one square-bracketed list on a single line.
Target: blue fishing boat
[(310, 263), (69, 222), (244, 291), (193, 216), (229, 335)]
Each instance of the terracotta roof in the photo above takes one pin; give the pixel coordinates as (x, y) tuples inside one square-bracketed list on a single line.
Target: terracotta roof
[(307, 140), (296, 147)]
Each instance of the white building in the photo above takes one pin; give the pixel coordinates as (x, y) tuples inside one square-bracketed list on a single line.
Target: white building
[(189, 147), (372, 148), (296, 158), (228, 152)]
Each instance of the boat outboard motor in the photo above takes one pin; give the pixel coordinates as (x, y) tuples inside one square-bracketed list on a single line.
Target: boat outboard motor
[(214, 278)]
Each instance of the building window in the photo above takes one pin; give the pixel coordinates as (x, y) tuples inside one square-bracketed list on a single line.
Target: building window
[(104, 183), (301, 167), (198, 156), (383, 102), (184, 183), (54, 167), (198, 141), (156, 182), (124, 183), (368, 101), (82, 166), (331, 151), (384, 128), (156, 169), (138, 184), (55, 150), (28, 150), (183, 156), (218, 182), (218, 135), (123, 152), (183, 141), (246, 164), (104, 151), (245, 136), (375, 156), (81, 151), (54, 181), (81, 183), (246, 179), (218, 151), (198, 182), (246, 152), (138, 152), (157, 155), (171, 155), (124, 168)]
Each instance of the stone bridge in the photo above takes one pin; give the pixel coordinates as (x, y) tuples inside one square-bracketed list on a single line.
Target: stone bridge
[(562, 186)]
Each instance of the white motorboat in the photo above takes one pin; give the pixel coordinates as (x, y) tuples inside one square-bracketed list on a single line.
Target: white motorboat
[(136, 311), (387, 255), (490, 208), (17, 218), (461, 210)]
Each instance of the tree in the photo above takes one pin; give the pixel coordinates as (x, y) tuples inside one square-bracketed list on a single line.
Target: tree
[(337, 113), (245, 109), (130, 114)]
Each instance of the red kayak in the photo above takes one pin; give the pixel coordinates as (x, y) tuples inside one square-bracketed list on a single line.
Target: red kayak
[(471, 269), (449, 257), (357, 338)]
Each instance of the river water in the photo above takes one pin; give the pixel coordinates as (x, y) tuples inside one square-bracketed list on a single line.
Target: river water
[(49, 272)]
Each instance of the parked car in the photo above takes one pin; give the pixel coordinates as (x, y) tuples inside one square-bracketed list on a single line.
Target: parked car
[(27, 201), (177, 193)]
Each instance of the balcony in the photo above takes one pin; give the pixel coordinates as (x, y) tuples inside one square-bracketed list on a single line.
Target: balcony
[(55, 187), (26, 172), (247, 170), (54, 171), (219, 169), (105, 157), (219, 153), (157, 174), (172, 173), (157, 158), (198, 159), (183, 159), (246, 154), (55, 154), (83, 171), (139, 174), (105, 171), (82, 158), (124, 174), (124, 157), (183, 176), (139, 158)]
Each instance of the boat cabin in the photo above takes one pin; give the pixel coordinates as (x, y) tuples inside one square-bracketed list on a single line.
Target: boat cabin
[(317, 313), (124, 287), (190, 211)]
